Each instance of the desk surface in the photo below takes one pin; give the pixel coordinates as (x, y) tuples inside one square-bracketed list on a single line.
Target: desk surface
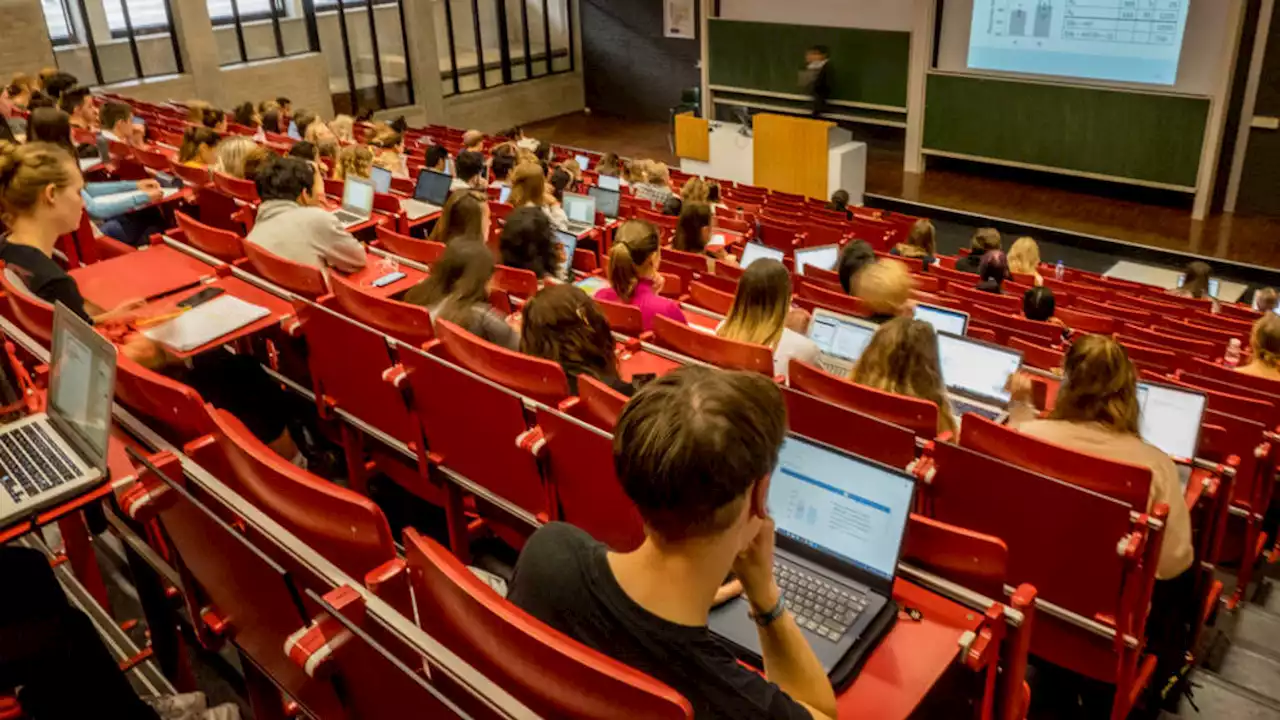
[(118, 466), (149, 273), (376, 269), (639, 362), (279, 307)]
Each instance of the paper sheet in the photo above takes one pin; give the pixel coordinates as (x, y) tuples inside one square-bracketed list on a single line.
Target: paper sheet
[(202, 325)]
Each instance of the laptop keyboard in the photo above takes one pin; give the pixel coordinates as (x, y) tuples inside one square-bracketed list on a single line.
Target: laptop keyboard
[(821, 607), (349, 218), (32, 463), (833, 368), (961, 407)]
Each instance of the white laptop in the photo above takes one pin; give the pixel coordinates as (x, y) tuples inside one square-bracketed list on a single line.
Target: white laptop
[(823, 257), (584, 162), (943, 319), (357, 202), (841, 340), (429, 195), (1170, 418), (977, 374), (504, 193), (581, 211), (381, 178), (608, 182), (55, 455), (757, 251)]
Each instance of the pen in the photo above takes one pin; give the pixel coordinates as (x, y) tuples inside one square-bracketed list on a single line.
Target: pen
[(156, 320)]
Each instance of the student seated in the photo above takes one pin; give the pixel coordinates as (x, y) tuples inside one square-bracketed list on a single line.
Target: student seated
[(292, 224), (78, 103), (902, 358), (388, 151), (854, 256), (467, 171), (884, 287), (271, 121), (457, 290), (693, 232), (610, 165), (633, 273), (1039, 304), (116, 119), (1196, 284), (654, 184), (695, 190), (1264, 300), (762, 314), (694, 451), (984, 241), (673, 206), (529, 189), (354, 160), (572, 167), (246, 115), (558, 183), (921, 243), (1024, 259), (202, 113), (437, 158), (231, 153), (992, 272), (472, 140), (198, 147), (465, 216), (840, 203), (521, 140), (1265, 345), (563, 325), (343, 128), (300, 122), (500, 169), (529, 243)]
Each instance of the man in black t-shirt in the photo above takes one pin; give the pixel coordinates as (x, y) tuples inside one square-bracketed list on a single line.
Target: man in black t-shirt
[(694, 450)]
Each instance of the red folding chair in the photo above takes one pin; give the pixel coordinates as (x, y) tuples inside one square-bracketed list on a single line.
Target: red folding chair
[(295, 277), (514, 281), (1038, 356), (1086, 322), (596, 404), (718, 351), (779, 234), (702, 295), (405, 322), (240, 189), (829, 279), (849, 430), (222, 244), (810, 294), (918, 416), (153, 160), (177, 409), (622, 318), (34, 315), (542, 380), (423, 251), (1004, 303), (1156, 338)]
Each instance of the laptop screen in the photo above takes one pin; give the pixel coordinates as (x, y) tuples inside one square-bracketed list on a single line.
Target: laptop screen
[(584, 162), (504, 193), (755, 251), (840, 336), (433, 187), (844, 506), (592, 284), (975, 368), (580, 208), (82, 384), (609, 182), (1170, 418), (1214, 284), (357, 196), (823, 257), (381, 178), (943, 319), (607, 201), (569, 242)]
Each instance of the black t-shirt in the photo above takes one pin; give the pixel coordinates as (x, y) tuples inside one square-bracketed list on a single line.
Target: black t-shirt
[(43, 277), (563, 579), (969, 263)]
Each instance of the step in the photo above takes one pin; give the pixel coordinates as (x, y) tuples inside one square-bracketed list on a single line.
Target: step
[(1258, 629), (1243, 665), (1219, 699)]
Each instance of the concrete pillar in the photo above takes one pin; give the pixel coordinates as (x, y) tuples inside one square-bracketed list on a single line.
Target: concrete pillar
[(424, 58), (199, 50), (26, 47)]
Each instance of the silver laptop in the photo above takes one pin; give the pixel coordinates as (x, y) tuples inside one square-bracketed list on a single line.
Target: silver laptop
[(943, 319), (381, 179), (758, 251), (357, 202), (823, 257), (429, 195), (581, 211), (607, 201), (977, 374), (51, 456), (609, 182), (1170, 418), (840, 525), (841, 340)]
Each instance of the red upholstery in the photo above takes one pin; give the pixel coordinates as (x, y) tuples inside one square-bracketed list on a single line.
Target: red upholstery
[(542, 380), (1161, 362), (918, 416), (779, 234), (623, 318), (153, 160), (33, 314), (697, 262), (424, 251), (1038, 356), (976, 561), (405, 322), (1156, 338), (721, 283), (514, 281), (708, 348), (597, 403), (704, 296), (1045, 333), (1087, 322), (1004, 303), (237, 188), (828, 278), (1226, 374), (832, 300), (846, 429), (1237, 404), (222, 244), (294, 277), (175, 406), (218, 209), (551, 673)]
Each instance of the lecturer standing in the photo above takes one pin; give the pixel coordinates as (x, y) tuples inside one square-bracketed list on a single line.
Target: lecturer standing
[(816, 77)]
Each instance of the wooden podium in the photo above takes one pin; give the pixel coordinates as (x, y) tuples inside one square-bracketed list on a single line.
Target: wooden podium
[(693, 137), (791, 154)]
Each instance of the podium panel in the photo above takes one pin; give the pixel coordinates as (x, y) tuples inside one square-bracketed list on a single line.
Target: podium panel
[(693, 137), (791, 154)]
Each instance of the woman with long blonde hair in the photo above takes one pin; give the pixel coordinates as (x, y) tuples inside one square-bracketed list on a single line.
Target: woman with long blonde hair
[(902, 358), (761, 312), (529, 188), (355, 160), (1024, 259), (1265, 344)]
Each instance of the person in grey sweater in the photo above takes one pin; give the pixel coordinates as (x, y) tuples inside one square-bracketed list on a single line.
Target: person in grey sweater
[(292, 224)]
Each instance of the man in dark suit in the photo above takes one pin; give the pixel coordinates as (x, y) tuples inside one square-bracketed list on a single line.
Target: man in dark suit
[(817, 77)]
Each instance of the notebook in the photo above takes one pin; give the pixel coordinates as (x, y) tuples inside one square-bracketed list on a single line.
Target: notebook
[(207, 322)]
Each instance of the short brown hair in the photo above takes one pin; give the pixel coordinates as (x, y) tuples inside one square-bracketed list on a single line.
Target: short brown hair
[(690, 444), (1099, 385), (984, 240)]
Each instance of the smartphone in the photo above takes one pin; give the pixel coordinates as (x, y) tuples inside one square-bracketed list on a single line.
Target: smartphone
[(201, 297), (387, 279)]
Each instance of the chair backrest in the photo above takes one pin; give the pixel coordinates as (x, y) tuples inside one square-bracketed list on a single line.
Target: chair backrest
[(976, 561), (830, 299), (33, 314), (542, 380), (1238, 404), (1157, 360), (405, 322), (551, 673), (849, 430), (1130, 484), (718, 351), (704, 296), (153, 160), (295, 277), (172, 404), (218, 209), (237, 188), (1199, 348), (597, 403), (222, 244), (514, 281), (827, 278), (1038, 356), (697, 262), (623, 318), (918, 416), (424, 251), (1087, 322), (1004, 303), (1226, 374), (1045, 332)]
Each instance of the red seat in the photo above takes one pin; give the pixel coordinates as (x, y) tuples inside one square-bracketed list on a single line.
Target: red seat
[(827, 278), (423, 251), (34, 315), (1156, 338), (542, 380), (779, 234), (1038, 356), (402, 321), (153, 160), (696, 262), (238, 188), (622, 318), (550, 673), (811, 294), (1226, 374), (703, 296), (334, 187), (597, 403), (718, 351), (721, 283), (175, 407), (219, 209), (222, 244), (1034, 331), (295, 277), (1087, 322), (846, 429), (819, 234), (918, 416), (514, 281), (1145, 357), (1238, 404), (1004, 303)]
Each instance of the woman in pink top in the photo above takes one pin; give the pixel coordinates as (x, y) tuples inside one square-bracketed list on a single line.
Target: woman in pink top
[(633, 273)]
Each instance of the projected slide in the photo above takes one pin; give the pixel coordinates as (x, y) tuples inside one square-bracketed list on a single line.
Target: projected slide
[(1136, 41)]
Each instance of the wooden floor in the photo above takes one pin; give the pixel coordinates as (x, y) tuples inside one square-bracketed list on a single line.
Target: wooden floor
[(1161, 221)]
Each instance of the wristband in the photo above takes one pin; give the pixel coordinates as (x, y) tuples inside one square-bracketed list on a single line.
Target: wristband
[(766, 619)]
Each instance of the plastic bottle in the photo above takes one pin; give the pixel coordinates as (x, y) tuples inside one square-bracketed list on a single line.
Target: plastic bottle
[(1232, 357), (1059, 271)]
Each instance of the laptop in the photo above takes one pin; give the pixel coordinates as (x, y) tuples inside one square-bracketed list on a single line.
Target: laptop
[(823, 257), (1214, 284), (581, 211), (608, 182), (381, 179), (357, 202), (757, 251), (584, 162), (607, 201), (504, 193), (569, 242), (943, 319), (841, 340), (976, 374), (840, 525), (592, 284), (51, 456), (1170, 418), (429, 195)]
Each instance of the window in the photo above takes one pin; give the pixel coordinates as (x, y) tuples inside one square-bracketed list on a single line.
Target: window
[(145, 16), (333, 4), (486, 43), (220, 11), (58, 19)]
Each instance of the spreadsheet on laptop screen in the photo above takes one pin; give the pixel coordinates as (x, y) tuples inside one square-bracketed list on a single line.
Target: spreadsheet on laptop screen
[(1170, 418), (942, 320), (976, 369), (840, 338)]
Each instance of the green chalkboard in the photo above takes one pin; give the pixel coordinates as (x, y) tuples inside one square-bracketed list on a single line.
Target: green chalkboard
[(870, 66), (1138, 136)]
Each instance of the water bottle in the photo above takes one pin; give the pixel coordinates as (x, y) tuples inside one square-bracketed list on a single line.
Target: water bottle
[(1059, 271), (1232, 358)]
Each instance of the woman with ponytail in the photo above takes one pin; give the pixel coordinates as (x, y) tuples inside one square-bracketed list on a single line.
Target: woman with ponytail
[(633, 273)]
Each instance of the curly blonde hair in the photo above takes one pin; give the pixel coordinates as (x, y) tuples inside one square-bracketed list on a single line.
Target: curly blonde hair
[(902, 358), (1024, 256)]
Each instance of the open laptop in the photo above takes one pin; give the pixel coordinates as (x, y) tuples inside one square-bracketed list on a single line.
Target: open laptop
[(429, 196), (1214, 284), (569, 242), (381, 179), (609, 182), (357, 202), (841, 340), (757, 251), (607, 201), (48, 457), (977, 374), (943, 319), (503, 193), (581, 211), (823, 257), (584, 162), (840, 524), (1170, 418)]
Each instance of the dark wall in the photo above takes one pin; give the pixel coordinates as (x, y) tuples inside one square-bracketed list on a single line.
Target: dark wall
[(1261, 174), (630, 69)]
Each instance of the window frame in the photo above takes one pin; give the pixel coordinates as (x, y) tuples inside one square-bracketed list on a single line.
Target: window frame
[(281, 11)]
